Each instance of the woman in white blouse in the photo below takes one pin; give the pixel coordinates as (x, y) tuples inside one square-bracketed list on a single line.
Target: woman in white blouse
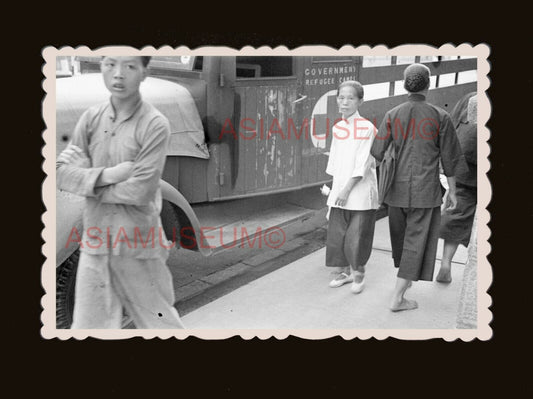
[(353, 198)]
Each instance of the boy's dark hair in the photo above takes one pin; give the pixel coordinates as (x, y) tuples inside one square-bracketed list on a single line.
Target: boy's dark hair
[(358, 87), (144, 59)]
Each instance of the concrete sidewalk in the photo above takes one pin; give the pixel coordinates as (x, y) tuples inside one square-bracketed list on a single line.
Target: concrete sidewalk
[(297, 296)]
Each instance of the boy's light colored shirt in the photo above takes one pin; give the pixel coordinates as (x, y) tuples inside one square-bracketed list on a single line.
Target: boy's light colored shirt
[(119, 219), (349, 156)]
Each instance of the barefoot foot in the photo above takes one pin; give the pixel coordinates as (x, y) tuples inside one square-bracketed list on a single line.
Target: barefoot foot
[(404, 304), (444, 276)]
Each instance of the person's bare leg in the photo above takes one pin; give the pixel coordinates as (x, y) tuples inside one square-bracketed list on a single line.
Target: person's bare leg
[(398, 302), (445, 271)]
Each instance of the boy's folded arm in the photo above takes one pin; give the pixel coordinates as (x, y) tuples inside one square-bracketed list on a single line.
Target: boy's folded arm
[(139, 189), (115, 174), (141, 186), (77, 180)]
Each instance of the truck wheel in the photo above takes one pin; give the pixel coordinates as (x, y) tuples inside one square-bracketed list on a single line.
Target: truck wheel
[(65, 286)]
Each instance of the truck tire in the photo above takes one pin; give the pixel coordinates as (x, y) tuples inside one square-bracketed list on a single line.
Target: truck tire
[(65, 287)]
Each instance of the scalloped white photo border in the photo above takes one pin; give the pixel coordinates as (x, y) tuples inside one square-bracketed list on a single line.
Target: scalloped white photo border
[(484, 270)]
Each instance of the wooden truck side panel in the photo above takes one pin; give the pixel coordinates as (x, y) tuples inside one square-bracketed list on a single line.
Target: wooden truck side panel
[(268, 120)]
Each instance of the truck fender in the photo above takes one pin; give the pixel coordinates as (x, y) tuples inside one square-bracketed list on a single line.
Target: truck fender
[(177, 216), (180, 222), (69, 224)]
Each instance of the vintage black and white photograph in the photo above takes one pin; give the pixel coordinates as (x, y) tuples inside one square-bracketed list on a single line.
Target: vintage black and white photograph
[(263, 192)]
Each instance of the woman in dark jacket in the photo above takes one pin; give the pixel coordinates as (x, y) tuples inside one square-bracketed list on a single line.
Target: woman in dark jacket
[(456, 224)]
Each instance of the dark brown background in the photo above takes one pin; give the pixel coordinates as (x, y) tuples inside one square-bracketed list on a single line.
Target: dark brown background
[(293, 366)]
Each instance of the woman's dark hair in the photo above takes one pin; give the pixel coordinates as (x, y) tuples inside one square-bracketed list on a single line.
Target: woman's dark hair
[(358, 87)]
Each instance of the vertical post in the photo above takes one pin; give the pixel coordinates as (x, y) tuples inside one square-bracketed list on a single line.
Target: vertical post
[(358, 61), (391, 84), (457, 73)]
